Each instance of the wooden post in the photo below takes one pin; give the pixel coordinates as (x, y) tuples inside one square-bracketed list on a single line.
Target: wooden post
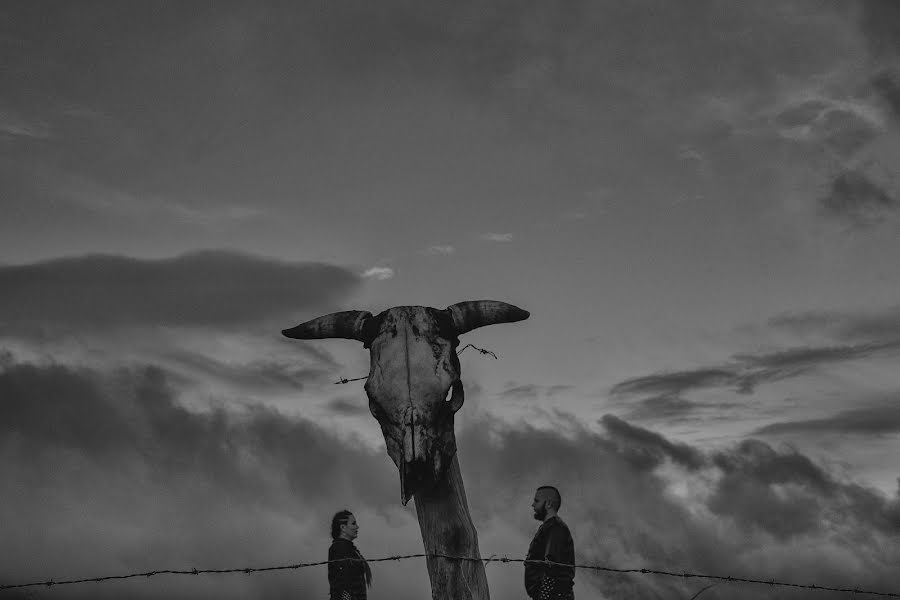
[(447, 529)]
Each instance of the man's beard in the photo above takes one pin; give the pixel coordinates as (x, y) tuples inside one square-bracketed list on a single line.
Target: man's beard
[(540, 513)]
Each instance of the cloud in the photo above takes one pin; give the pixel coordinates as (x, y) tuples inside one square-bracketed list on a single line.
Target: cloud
[(860, 335), (209, 288), (663, 407), (856, 199), (842, 124), (524, 391), (887, 84), (651, 448), (440, 250), (111, 460), (873, 420), (673, 383), (690, 154), (13, 125), (286, 371), (743, 373), (348, 406), (497, 237), (800, 359), (527, 391), (781, 493), (637, 498), (856, 327), (880, 20), (555, 390), (379, 273)]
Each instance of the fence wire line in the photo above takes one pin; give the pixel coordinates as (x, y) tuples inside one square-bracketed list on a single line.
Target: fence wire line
[(503, 559)]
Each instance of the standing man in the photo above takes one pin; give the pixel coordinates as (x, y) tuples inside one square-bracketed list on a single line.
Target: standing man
[(552, 542)]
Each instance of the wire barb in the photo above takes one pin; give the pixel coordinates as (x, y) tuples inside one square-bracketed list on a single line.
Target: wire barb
[(482, 350), (344, 380)]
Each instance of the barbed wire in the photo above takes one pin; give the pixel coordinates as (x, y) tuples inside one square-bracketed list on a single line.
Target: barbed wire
[(494, 558), (482, 350)]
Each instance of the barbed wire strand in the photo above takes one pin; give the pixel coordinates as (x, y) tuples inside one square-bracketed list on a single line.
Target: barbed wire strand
[(482, 350), (503, 559)]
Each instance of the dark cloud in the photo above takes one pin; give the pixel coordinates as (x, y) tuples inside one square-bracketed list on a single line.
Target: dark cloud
[(842, 127), (675, 382), (741, 502), (672, 384), (873, 420), (530, 391), (349, 406), (757, 461), (294, 372), (797, 360), (780, 493), (845, 132), (115, 463), (102, 455), (210, 288), (523, 391), (880, 23), (860, 327), (857, 199), (863, 335), (887, 84), (746, 372), (663, 406), (134, 413), (650, 448)]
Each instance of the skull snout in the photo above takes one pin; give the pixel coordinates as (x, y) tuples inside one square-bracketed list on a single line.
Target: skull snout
[(424, 454), (415, 475)]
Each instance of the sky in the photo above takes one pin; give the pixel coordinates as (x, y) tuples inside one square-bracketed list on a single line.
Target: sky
[(697, 202)]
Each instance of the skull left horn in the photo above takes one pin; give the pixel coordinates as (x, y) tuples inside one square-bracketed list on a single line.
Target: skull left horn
[(347, 324)]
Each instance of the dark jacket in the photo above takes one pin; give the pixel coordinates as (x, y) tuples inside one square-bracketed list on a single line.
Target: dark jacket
[(346, 575), (552, 542)]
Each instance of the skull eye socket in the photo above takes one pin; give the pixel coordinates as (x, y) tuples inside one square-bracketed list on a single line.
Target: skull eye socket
[(455, 397), (370, 331), (445, 328)]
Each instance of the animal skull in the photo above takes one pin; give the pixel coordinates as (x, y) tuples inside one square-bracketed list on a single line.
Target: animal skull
[(414, 385)]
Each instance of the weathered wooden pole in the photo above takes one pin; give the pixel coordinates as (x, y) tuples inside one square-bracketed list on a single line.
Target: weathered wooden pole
[(447, 529)]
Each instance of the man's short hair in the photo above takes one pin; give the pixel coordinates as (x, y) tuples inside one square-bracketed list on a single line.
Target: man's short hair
[(555, 497)]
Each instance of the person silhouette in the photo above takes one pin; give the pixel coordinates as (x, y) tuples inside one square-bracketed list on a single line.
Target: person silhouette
[(552, 542), (349, 575)]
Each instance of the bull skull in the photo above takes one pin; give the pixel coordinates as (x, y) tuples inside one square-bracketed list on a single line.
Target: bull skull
[(414, 385)]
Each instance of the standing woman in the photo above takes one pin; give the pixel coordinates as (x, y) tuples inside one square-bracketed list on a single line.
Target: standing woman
[(347, 579)]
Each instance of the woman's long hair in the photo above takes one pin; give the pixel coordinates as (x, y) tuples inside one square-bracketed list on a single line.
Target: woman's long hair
[(340, 518)]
